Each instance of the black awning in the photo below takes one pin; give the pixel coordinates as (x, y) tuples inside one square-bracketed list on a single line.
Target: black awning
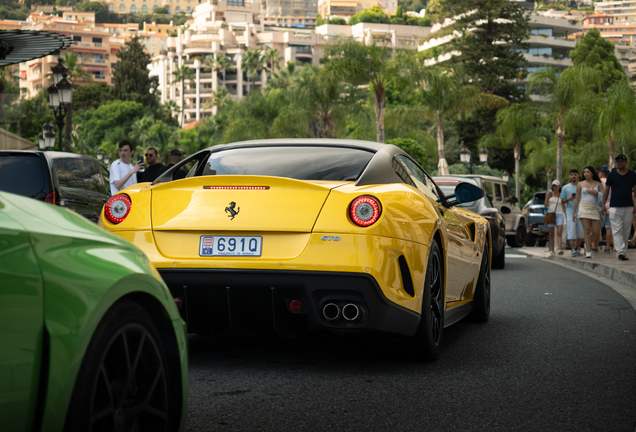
[(17, 46)]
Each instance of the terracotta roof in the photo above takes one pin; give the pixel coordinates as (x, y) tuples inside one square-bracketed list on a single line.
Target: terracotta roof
[(192, 125)]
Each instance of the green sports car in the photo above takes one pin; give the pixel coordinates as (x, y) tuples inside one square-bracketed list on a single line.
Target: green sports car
[(90, 337)]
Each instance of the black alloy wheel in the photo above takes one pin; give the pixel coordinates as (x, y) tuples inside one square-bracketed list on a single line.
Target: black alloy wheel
[(123, 382), (519, 238), (481, 299), (426, 343)]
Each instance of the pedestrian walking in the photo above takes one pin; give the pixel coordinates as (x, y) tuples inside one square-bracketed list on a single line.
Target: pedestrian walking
[(556, 214), (605, 220), (574, 226), (154, 167), (585, 207), (620, 182), (122, 172)]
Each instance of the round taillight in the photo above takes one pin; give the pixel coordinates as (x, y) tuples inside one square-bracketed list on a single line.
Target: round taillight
[(117, 208), (365, 210)]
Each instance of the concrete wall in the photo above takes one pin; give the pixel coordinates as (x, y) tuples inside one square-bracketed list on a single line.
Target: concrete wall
[(9, 141)]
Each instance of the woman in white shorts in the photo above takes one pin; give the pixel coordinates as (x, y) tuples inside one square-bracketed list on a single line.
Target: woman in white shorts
[(553, 205), (586, 203)]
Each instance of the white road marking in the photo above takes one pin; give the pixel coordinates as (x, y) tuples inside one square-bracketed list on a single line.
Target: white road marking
[(516, 256)]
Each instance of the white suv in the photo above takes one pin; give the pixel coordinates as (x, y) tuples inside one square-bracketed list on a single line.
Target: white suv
[(499, 193)]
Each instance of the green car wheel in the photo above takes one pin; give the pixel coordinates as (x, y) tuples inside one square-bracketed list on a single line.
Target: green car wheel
[(123, 382)]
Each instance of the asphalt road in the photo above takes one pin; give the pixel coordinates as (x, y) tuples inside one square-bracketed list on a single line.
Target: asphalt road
[(559, 354)]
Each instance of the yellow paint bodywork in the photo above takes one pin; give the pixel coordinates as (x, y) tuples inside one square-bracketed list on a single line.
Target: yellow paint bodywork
[(294, 219)]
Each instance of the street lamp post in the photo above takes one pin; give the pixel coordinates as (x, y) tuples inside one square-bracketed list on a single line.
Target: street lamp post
[(505, 176), (60, 95), (466, 158), (46, 140)]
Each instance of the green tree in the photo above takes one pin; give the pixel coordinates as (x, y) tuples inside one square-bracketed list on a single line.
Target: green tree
[(413, 148), (101, 10), (272, 58), (617, 117), (218, 63), (361, 64), (374, 14), (517, 125), (183, 74), (110, 123), (170, 106), (91, 96), (251, 62), (26, 118), (132, 77), (284, 77), (564, 90), (443, 96), (597, 53)]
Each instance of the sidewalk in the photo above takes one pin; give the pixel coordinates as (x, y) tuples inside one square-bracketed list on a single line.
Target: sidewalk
[(601, 264)]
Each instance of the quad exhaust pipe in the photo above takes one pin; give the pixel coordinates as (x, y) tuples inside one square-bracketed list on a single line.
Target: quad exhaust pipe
[(350, 312)]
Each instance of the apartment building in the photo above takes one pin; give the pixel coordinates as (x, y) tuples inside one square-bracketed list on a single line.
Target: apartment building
[(548, 45), (149, 6), (219, 28), (621, 11), (621, 33), (291, 8), (347, 8), (94, 46)]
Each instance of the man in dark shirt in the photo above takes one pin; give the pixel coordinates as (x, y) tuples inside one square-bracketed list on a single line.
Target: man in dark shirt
[(620, 182), (174, 158), (154, 167)]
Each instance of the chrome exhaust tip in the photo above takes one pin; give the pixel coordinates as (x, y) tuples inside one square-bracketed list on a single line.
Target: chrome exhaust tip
[(350, 312), (331, 312)]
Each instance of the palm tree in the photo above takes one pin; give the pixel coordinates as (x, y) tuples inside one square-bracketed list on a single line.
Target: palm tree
[(272, 58), (170, 106), (617, 116), (443, 96), (361, 64), (284, 77), (218, 99), (182, 74), (517, 125), (564, 90), (219, 62), (251, 62)]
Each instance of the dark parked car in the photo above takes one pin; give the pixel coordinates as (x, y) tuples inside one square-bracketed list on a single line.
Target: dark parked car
[(485, 208), (534, 211), (76, 182)]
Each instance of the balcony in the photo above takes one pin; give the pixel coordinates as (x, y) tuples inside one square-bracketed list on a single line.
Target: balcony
[(548, 60)]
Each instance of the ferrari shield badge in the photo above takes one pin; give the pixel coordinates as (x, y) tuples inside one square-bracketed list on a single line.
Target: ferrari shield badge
[(231, 211)]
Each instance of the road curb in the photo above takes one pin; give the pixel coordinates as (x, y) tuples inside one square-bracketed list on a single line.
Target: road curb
[(617, 275)]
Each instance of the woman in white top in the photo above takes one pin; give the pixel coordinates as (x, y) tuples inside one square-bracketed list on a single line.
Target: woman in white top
[(553, 205), (586, 198)]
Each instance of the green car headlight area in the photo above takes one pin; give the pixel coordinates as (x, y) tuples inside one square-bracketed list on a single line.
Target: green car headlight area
[(90, 339)]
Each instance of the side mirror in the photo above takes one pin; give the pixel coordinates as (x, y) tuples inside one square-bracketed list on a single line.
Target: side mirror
[(465, 192), (514, 200), (505, 210)]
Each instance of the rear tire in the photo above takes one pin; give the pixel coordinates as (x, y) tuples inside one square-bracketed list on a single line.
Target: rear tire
[(124, 380), (519, 238), (481, 300), (426, 344), (499, 261)]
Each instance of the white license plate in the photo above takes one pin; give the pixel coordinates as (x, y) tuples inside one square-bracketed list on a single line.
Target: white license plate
[(230, 246)]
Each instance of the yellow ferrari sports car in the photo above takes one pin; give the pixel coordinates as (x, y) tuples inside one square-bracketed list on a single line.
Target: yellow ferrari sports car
[(306, 234)]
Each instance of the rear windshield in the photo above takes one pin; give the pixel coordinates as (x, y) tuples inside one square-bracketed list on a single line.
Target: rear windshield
[(449, 189), (539, 198), (296, 162), (22, 174)]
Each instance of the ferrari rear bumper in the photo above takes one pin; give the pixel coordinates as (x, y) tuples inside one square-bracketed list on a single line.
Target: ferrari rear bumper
[(249, 302)]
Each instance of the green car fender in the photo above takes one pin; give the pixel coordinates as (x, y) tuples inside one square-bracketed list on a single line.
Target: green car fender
[(85, 272)]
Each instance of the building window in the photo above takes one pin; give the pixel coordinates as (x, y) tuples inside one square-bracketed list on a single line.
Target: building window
[(122, 8), (98, 58), (133, 8), (98, 75), (188, 9), (154, 8), (177, 9), (144, 9), (111, 7)]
